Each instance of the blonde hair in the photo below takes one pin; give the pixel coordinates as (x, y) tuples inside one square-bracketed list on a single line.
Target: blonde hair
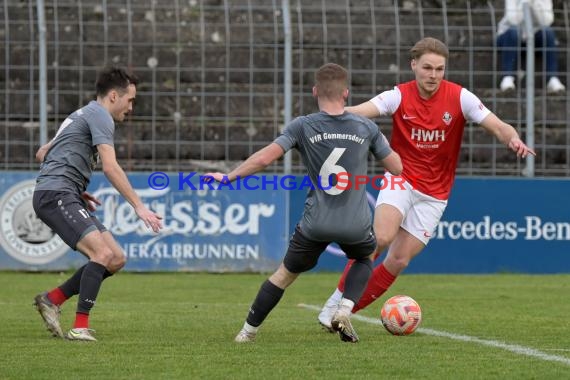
[(429, 45)]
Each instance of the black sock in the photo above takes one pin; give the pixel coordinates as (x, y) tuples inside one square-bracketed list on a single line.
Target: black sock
[(89, 287), (267, 297), (357, 279), (71, 286)]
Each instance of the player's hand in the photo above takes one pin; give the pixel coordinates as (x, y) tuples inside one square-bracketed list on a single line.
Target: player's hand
[(90, 201), (520, 148), (220, 177), (151, 220)]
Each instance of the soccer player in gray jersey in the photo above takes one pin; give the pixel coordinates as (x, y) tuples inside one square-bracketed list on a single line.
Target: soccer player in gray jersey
[(330, 142), (62, 202)]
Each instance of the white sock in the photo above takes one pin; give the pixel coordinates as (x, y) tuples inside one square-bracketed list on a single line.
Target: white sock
[(249, 328), (335, 298), (345, 306)]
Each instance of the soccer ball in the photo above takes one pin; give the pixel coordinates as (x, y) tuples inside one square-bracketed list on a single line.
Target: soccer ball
[(401, 315)]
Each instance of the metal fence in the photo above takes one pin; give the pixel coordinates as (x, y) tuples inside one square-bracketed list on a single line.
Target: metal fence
[(212, 71)]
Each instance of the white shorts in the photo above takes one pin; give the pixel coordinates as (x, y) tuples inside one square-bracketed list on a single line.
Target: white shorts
[(421, 212)]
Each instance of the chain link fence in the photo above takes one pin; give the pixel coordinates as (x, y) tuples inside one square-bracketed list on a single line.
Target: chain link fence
[(212, 74)]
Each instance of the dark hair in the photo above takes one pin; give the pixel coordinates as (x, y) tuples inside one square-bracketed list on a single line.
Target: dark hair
[(113, 77), (331, 80), (429, 45)]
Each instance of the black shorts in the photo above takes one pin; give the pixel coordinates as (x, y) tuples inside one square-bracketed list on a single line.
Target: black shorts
[(303, 253), (66, 214)]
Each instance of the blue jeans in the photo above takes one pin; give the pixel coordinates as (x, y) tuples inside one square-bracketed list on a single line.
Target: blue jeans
[(509, 43)]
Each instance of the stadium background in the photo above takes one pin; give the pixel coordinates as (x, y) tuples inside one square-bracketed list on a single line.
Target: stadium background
[(214, 90)]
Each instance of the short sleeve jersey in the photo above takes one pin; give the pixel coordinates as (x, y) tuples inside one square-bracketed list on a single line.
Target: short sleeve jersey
[(72, 157), (335, 144), (427, 133)]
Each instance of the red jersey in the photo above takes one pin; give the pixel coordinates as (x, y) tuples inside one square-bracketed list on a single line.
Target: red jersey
[(427, 133)]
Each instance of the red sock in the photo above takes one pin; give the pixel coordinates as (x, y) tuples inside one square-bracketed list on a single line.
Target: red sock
[(379, 282), (56, 296), (81, 321)]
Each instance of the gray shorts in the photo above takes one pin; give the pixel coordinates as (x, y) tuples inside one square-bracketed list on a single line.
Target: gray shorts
[(66, 214)]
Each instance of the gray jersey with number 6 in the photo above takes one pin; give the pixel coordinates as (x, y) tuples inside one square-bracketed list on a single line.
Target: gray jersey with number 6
[(337, 145)]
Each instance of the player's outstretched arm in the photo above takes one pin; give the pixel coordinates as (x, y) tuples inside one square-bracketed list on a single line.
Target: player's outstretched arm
[(119, 180), (393, 163), (255, 163), (366, 109), (506, 134), (217, 176)]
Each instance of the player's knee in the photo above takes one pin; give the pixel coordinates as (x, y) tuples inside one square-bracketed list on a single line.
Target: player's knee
[(104, 256), (118, 262), (299, 263), (283, 277), (310, 264), (400, 263), (382, 242), (303, 265), (122, 261)]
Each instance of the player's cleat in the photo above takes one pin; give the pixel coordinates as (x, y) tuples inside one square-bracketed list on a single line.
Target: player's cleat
[(245, 337), (50, 314), (341, 323), (326, 315), (82, 334)]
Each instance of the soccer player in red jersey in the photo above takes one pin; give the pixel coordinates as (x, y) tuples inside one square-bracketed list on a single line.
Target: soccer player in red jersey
[(429, 115)]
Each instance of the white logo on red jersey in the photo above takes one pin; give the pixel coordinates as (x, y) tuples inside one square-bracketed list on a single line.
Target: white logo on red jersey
[(406, 117), (447, 118), (424, 135)]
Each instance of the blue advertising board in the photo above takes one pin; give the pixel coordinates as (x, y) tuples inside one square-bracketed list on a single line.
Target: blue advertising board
[(204, 229), (494, 225), (490, 226)]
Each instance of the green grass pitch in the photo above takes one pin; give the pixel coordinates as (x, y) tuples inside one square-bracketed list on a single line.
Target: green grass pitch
[(182, 325)]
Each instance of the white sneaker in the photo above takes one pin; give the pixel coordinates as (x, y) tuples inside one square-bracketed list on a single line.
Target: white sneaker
[(326, 315), (508, 83), (554, 86), (83, 334), (245, 337)]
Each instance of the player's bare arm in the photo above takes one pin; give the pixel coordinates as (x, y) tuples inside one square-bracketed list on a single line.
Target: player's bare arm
[(42, 151), (255, 163), (119, 180), (506, 134), (366, 109), (393, 163)]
